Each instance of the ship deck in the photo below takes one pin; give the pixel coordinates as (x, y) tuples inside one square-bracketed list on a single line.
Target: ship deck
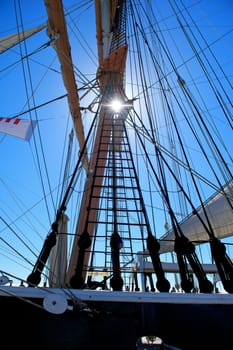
[(114, 320)]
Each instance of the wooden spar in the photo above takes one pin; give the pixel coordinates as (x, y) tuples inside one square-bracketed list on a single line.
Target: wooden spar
[(110, 75), (57, 30)]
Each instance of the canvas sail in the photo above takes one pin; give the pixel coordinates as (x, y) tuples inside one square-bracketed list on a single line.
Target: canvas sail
[(220, 215), (11, 40)]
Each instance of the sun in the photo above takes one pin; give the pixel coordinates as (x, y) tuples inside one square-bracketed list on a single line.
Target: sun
[(116, 105)]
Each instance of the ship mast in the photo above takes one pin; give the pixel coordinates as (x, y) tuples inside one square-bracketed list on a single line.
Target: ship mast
[(112, 59), (110, 72)]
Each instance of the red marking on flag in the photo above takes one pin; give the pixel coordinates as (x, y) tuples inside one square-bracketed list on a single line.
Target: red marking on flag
[(8, 120)]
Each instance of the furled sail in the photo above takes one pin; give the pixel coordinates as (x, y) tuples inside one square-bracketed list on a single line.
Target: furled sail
[(220, 215), (105, 11), (11, 40)]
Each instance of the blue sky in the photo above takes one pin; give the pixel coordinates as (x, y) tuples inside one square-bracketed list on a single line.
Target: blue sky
[(21, 191)]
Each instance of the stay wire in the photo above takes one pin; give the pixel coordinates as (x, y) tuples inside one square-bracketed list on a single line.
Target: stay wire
[(33, 99), (154, 59)]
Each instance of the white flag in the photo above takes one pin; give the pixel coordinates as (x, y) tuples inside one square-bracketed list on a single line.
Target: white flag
[(17, 127)]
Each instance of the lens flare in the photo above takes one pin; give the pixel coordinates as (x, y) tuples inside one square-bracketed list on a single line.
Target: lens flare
[(116, 105)]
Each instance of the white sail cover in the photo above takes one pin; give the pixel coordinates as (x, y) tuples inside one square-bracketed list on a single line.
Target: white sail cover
[(58, 256), (105, 11), (17, 127), (11, 40), (219, 213)]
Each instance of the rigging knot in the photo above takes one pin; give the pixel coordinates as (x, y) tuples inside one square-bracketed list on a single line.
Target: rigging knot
[(181, 81)]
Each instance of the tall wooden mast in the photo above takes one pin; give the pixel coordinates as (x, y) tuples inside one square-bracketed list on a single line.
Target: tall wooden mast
[(112, 57), (112, 52)]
